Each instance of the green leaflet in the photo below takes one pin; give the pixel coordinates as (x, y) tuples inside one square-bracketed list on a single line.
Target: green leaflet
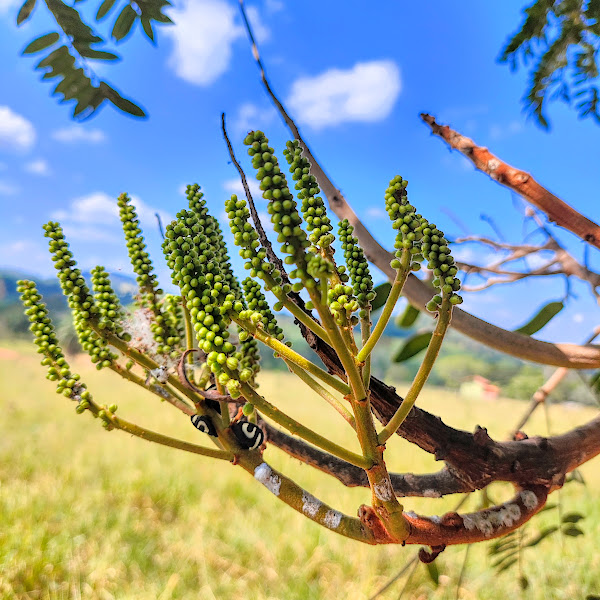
[(413, 346), (104, 9), (408, 317), (124, 23), (382, 292), (42, 42), (541, 319), (25, 11)]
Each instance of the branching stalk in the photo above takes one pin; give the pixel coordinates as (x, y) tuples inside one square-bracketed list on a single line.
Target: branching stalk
[(445, 314), (319, 389), (159, 438), (169, 396), (401, 276), (293, 426), (289, 354)]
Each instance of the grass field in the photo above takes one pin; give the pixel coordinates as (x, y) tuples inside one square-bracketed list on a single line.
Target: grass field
[(90, 514)]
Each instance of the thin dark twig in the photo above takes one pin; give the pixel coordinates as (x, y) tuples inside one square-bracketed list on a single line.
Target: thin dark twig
[(262, 236), (288, 120), (542, 393), (403, 484), (160, 225)]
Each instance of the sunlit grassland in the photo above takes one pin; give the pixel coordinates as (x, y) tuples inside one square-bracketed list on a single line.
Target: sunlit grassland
[(90, 514)]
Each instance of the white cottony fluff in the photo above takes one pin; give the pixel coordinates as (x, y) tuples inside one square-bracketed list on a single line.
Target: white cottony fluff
[(310, 505), (270, 480), (383, 491), (332, 519)]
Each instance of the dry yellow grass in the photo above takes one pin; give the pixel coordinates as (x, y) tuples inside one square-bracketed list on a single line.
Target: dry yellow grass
[(90, 514)]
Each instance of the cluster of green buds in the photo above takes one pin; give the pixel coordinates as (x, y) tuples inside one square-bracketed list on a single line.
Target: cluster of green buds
[(424, 241), (173, 314), (358, 268), (313, 208), (109, 308), (246, 238), (80, 300), (166, 338), (282, 207), (342, 303), (257, 303), (45, 338), (435, 248), (406, 220), (139, 257), (207, 294)]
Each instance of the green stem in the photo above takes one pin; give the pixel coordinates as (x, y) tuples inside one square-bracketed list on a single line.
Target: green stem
[(291, 355), (338, 344), (159, 438), (145, 362), (224, 407), (365, 331), (317, 387), (445, 314), (293, 426), (305, 319), (300, 500), (172, 397), (189, 331), (386, 314), (296, 311)]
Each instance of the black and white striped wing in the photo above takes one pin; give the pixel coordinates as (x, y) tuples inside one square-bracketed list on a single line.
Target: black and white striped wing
[(248, 435), (204, 424)]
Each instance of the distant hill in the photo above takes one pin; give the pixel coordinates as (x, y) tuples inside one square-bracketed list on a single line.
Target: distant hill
[(12, 320), (460, 357)]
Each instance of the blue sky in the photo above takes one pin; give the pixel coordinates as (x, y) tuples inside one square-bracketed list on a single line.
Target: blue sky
[(355, 79)]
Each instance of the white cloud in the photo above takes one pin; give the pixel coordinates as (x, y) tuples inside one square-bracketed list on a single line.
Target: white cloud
[(26, 254), (16, 132), (366, 92), (7, 6), (38, 167), (234, 186), (78, 133), (100, 209), (8, 189), (250, 117), (260, 31), (203, 36)]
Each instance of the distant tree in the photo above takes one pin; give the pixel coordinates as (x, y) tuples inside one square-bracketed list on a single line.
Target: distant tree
[(559, 42), (198, 350), (70, 50)]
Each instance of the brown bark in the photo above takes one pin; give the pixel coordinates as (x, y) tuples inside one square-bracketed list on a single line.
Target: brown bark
[(527, 348), (524, 184)]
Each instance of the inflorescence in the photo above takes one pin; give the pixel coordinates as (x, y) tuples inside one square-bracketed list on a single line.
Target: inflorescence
[(211, 301), (313, 208), (424, 241)]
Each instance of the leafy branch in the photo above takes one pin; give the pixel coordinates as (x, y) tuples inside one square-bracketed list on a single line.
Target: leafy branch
[(560, 40), (75, 45)]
